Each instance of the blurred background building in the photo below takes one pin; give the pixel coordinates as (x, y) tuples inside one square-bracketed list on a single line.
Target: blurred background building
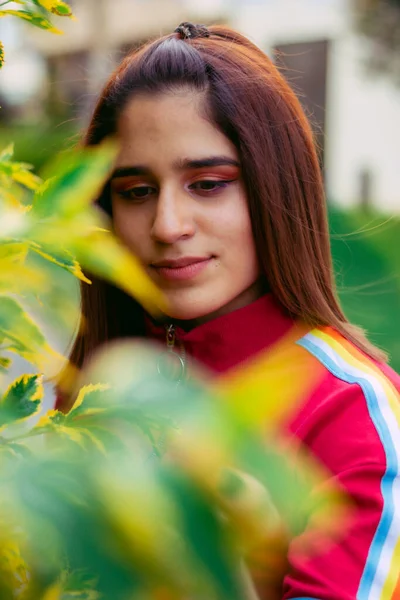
[(356, 118), (49, 85)]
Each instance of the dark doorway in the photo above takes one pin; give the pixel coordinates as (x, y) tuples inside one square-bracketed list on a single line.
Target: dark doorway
[(305, 66)]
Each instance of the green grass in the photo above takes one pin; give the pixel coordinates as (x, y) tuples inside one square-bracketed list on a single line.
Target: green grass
[(366, 253), (37, 144)]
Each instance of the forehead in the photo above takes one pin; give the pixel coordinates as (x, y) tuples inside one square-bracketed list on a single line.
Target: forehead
[(169, 126)]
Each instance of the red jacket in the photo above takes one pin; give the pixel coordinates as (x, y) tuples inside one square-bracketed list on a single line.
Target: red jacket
[(350, 422)]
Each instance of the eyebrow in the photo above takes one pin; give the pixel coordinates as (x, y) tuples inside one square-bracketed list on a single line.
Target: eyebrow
[(181, 165)]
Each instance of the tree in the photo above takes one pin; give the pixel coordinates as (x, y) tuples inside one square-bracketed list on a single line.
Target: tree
[(379, 20)]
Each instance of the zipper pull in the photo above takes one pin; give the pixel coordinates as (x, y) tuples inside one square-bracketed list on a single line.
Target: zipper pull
[(170, 337), (172, 364)]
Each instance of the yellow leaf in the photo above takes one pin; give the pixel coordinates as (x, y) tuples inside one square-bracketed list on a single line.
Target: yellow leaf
[(23, 336), (34, 18), (72, 433), (94, 440), (16, 251), (103, 255), (8, 198), (47, 419), (17, 278), (47, 4), (7, 153), (5, 363), (57, 7), (86, 390), (56, 422), (27, 179), (54, 592), (265, 392), (61, 258), (13, 568), (249, 505)]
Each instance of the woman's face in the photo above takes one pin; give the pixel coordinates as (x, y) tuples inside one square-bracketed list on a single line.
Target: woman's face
[(180, 205)]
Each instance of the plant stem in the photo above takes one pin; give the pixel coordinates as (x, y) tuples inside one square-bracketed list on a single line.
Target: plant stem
[(6, 2), (29, 434)]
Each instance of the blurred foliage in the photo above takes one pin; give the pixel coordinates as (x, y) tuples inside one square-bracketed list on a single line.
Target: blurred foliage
[(366, 255), (35, 12), (38, 143), (145, 489), (379, 21)]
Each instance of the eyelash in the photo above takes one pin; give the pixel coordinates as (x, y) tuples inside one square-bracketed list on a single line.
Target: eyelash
[(218, 187)]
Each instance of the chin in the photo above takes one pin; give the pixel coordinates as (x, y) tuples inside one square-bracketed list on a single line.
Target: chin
[(189, 307), (187, 313)]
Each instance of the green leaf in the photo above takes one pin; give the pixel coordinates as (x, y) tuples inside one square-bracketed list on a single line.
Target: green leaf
[(17, 326), (7, 154), (1, 54), (206, 536), (17, 278), (62, 258), (5, 364), (34, 18), (13, 450), (13, 250), (79, 584), (89, 399), (20, 449), (20, 173), (79, 179), (57, 7), (54, 421), (23, 336), (26, 178), (21, 400), (62, 10), (102, 254), (9, 196)]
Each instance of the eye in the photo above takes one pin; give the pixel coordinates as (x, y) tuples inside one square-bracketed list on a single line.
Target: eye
[(139, 192), (209, 186)]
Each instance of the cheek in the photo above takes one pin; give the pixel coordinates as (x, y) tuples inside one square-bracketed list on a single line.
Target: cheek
[(130, 227), (243, 254), (236, 234)]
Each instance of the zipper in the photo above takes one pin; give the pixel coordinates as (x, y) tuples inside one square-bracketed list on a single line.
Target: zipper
[(170, 333), (172, 364)]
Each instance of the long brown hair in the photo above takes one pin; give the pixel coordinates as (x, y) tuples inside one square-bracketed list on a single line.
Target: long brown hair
[(253, 105)]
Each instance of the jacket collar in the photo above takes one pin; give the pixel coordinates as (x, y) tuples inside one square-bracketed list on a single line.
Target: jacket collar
[(229, 340)]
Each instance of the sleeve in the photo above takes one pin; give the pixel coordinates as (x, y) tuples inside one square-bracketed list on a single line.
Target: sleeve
[(353, 429)]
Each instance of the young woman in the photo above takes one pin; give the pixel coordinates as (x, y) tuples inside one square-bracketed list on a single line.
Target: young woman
[(217, 189)]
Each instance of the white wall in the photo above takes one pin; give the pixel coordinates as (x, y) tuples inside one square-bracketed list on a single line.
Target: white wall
[(363, 114), (267, 22), (363, 129)]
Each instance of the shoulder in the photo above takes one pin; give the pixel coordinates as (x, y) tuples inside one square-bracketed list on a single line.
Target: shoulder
[(347, 363), (353, 413), (351, 422)]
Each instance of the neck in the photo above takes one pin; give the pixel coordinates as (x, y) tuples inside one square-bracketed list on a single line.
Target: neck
[(249, 295), (238, 333)]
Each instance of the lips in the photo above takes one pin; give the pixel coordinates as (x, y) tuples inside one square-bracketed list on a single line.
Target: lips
[(181, 269), (180, 262)]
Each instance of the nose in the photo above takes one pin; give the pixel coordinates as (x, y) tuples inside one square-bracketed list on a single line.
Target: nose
[(173, 219)]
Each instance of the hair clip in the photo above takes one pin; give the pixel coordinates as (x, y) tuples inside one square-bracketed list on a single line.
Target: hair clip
[(188, 30)]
